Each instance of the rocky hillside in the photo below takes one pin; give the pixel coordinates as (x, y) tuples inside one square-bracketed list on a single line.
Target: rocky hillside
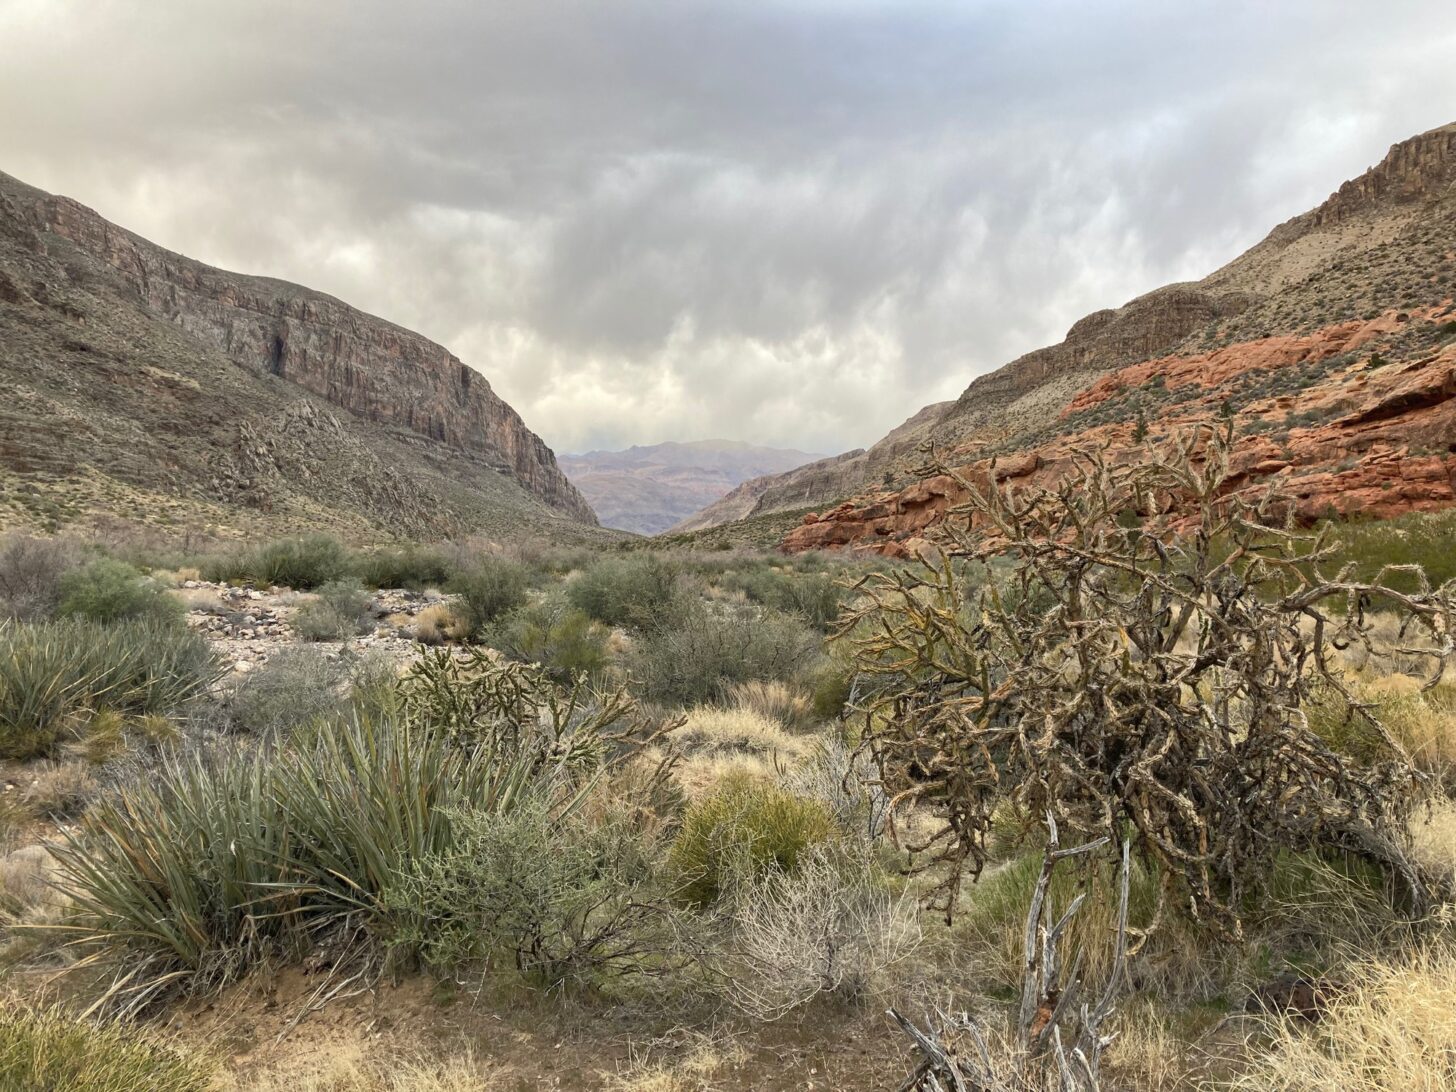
[(137, 383), (1331, 344), (649, 489)]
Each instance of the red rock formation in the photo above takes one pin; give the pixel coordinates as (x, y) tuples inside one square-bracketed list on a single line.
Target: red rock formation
[(1386, 447), (365, 365)]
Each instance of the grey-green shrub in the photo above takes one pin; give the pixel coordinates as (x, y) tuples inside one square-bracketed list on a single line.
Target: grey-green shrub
[(107, 590), (703, 656), (563, 900), (488, 589), (31, 570), (340, 610), (644, 592), (297, 686)]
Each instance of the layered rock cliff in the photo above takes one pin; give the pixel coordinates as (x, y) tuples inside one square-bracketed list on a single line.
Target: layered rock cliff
[(136, 381), (364, 365)]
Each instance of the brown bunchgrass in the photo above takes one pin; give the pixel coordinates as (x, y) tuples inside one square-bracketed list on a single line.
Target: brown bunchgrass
[(776, 701), (1393, 1030)]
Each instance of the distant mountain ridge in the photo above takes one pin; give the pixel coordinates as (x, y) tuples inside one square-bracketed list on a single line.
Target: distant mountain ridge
[(649, 489), (137, 382)]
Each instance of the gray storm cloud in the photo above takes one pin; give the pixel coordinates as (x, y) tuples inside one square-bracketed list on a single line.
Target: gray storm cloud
[(790, 223)]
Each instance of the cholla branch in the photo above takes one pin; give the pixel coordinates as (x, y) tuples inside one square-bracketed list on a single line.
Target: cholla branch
[(1058, 1044), (1132, 650)]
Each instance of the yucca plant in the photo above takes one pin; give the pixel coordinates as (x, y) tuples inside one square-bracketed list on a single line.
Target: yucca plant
[(190, 878), (54, 676)]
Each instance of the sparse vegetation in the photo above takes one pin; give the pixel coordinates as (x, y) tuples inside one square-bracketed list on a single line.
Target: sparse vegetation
[(340, 609)]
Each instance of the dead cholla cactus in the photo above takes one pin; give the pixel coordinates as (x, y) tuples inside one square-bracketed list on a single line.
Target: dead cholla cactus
[(1057, 1043), (1130, 651)]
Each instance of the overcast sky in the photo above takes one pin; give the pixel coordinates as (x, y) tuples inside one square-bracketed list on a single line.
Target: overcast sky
[(792, 223)]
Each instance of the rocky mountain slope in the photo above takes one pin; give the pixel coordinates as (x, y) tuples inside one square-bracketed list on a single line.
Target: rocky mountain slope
[(1331, 344), (137, 383), (649, 489)]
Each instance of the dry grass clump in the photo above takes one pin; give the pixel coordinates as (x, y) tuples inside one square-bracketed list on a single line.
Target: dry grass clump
[(832, 926), (438, 624), (1433, 840), (49, 1049), (351, 1070), (776, 701), (713, 730), (25, 882), (1393, 1030), (702, 1064), (720, 744), (59, 790)]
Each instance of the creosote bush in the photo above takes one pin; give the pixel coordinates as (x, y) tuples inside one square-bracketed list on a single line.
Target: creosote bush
[(489, 589), (563, 901), (645, 592), (565, 641), (302, 563), (701, 658), (1142, 679), (106, 590)]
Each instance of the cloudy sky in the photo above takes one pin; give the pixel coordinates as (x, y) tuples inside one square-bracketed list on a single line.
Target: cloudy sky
[(792, 223)]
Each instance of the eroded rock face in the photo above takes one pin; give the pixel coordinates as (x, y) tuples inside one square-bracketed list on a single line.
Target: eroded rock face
[(365, 365), (1367, 438)]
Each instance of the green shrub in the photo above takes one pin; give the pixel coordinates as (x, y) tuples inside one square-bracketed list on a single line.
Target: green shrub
[(560, 638), (1420, 538), (814, 596), (490, 588), (701, 658), (43, 1049), (741, 830), (31, 570), (645, 592), (56, 676), (563, 900), (414, 567), (302, 563), (106, 590), (340, 610)]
